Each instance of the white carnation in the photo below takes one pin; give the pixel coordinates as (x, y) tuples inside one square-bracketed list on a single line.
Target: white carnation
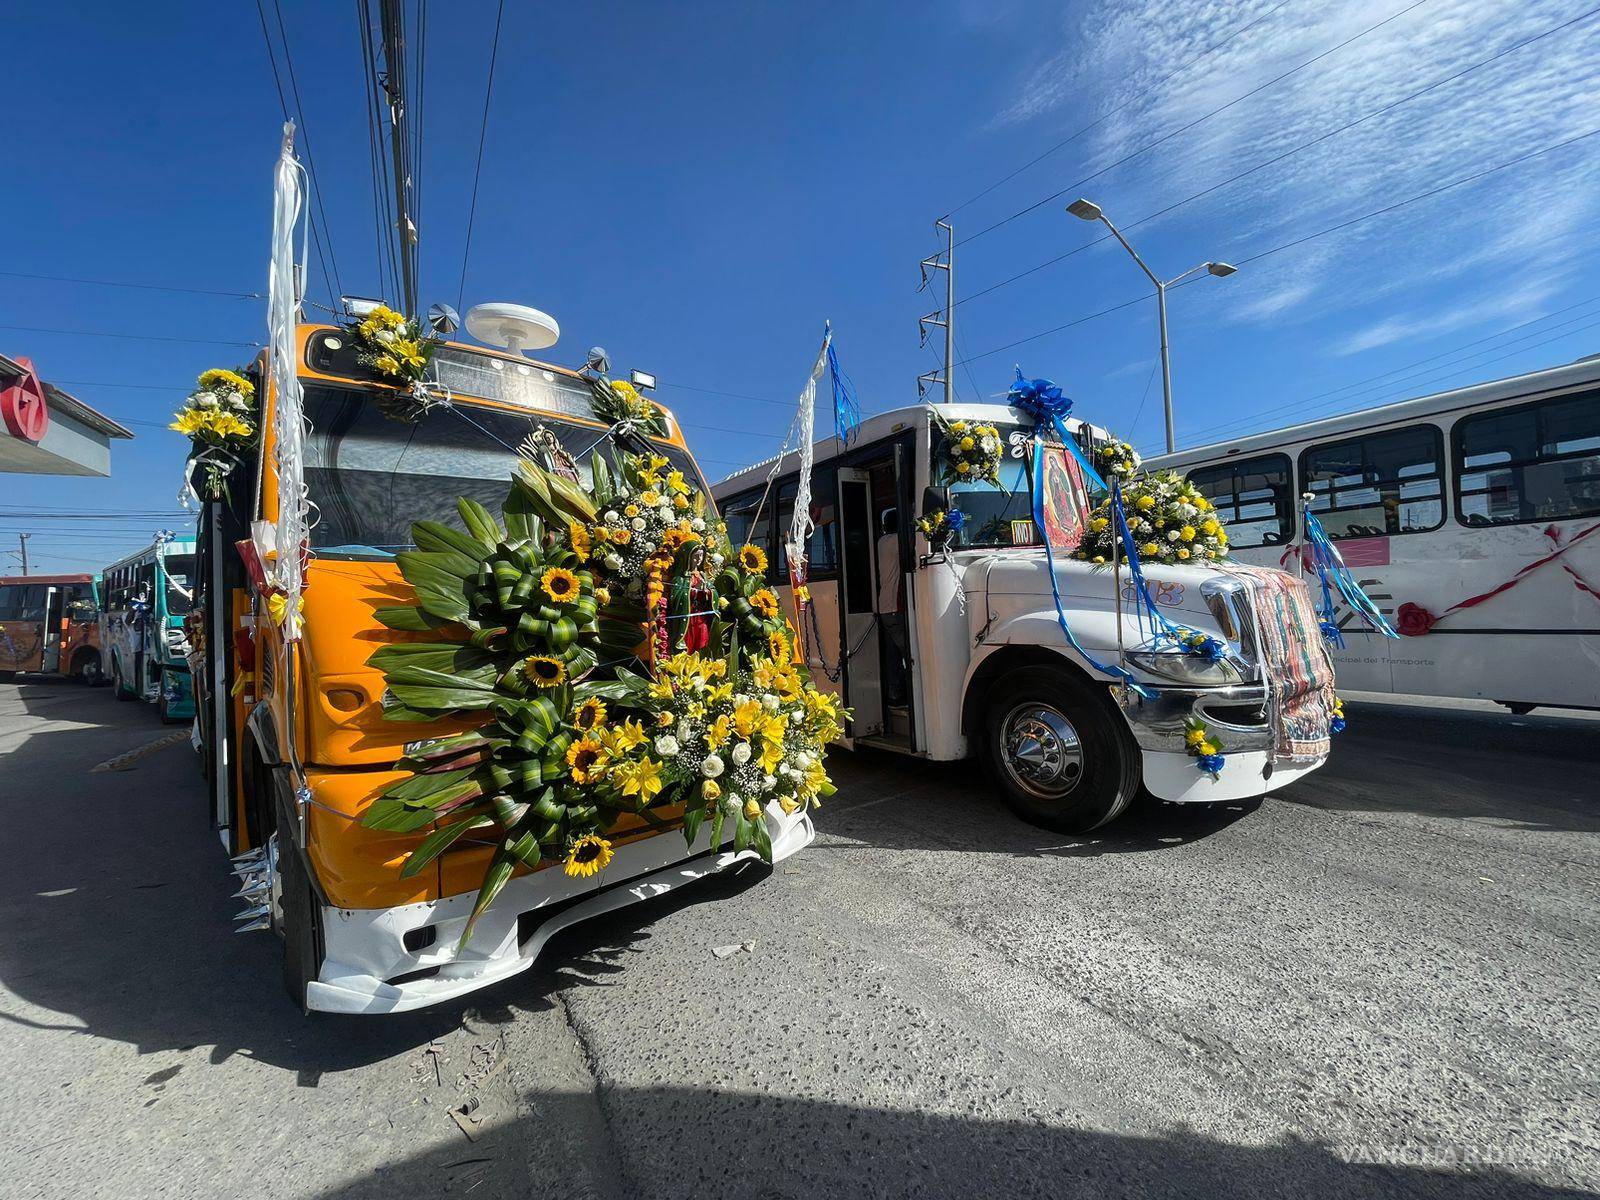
[(637, 523), (768, 782), (1172, 535), (697, 525), (205, 400), (770, 703)]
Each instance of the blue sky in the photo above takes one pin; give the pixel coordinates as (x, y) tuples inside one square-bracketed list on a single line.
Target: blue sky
[(696, 187)]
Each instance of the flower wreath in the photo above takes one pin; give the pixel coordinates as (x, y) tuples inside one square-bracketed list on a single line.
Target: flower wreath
[(618, 401), (545, 622), (940, 527), (220, 420), (395, 348), (968, 451), (1170, 520)]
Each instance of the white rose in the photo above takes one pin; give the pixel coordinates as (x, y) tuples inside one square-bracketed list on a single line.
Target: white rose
[(1172, 535), (647, 546), (741, 753), (666, 512), (795, 717), (613, 563), (697, 525), (666, 745), (637, 523), (205, 400), (613, 518), (768, 782), (386, 336), (712, 766)]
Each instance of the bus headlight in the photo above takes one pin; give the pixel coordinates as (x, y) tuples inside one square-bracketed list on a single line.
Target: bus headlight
[(1188, 669)]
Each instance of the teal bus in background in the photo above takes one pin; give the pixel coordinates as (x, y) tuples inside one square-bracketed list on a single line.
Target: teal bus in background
[(142, 639)]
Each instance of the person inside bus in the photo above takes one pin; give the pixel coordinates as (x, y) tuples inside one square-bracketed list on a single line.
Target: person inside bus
[(891, 607)]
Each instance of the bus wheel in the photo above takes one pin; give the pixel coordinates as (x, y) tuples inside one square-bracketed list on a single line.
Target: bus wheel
[(123, 692), (88, 672), (1057, 751)]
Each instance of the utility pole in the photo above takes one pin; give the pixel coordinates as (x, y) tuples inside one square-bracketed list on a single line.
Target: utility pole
[(945, 319), (393, 82), (22, 540)]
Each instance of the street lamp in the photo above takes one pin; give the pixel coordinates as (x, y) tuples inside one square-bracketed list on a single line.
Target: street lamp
[(1088, 210)]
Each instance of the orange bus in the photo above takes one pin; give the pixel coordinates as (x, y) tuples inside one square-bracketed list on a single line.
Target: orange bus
[(293, 736), (49, 625)]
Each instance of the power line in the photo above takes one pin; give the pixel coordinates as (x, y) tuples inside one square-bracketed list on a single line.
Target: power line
[(283, 103), (1166, 137), (148, 287), (1106, 116), (379, 161), (1322, 137), (1300, 241), (305, 133), (483, 133), (132, 337)]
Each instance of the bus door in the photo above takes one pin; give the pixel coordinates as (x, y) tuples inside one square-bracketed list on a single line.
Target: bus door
[(858, 589), (55, 622)]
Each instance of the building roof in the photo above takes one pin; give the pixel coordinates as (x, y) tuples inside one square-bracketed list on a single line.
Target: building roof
[(69, 404)]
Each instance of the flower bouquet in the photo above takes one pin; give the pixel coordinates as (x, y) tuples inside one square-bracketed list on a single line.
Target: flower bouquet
[(1170, 520), (219, 419), (968, 451), (395, 348), (618, 401)]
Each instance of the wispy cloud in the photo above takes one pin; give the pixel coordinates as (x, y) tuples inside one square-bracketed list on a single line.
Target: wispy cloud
[(1517, 228)]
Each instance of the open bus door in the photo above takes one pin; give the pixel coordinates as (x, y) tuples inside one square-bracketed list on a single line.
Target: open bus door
[(55, 620), (858, 591)]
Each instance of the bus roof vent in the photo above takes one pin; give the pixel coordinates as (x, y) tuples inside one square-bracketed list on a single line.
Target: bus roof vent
[(514, 326)]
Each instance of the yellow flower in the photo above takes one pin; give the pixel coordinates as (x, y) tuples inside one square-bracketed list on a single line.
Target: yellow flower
[(752, 558), (1194, 737), (815, 778), (967, 443), (746, 717), (590, 714), (386, 364), (962, 468), (589, 854), (665, 718), (1099, 523), (676, 482), (631, 510), (765, 603), (752, 810), (578, 535), (777, 645), (1187, 533), (561, 585), (651, 498), (543, 670), (625, 737), (711, 790), (585, 758), (1183, 552), (1203, 504), (958, 426), (1206, 748), (1211, 527), (278, 607), (1145, 503), (789, 805), (718, 731), (772, 752), (227, 381), (641, 779), (1099, 558), (1149, 549), (602, 596)]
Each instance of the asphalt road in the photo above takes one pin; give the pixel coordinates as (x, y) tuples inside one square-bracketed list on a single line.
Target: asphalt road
[(1383, 980)]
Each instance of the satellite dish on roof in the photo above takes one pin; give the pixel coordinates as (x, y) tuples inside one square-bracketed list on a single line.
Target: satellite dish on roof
[(514, 326)]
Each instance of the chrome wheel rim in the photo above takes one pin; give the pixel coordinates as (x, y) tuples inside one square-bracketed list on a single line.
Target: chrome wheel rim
[(1041, 751)]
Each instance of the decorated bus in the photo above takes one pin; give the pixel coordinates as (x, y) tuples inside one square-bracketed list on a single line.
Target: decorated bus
[(1000, 581), (1470, 517), (49, 625), (143, 642), (475, 657)]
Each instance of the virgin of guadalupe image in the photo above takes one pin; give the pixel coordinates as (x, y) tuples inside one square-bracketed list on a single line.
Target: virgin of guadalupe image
[(1064, 503)]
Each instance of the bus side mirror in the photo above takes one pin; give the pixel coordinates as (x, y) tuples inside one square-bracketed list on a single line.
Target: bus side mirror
[(935, 500)]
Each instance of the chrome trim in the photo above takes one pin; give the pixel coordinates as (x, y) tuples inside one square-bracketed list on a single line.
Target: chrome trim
[(1157, 724)]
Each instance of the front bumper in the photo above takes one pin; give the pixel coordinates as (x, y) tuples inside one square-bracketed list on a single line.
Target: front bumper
[(367, 967), (1238, 714)]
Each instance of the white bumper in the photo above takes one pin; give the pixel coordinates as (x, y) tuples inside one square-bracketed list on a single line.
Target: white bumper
[(366, 965), (1173, 776)]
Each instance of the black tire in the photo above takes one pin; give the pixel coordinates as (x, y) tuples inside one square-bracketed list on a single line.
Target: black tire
[(301, 912), (117, 684), (88, 670), (1044, 776)]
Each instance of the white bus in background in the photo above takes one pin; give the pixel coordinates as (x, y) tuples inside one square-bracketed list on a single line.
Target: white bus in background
[(1433, 502)]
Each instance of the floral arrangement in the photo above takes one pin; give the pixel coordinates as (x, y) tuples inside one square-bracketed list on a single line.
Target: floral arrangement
[(940, 527), (1117, 460), (1204, 746), (1170, 520), (1338, 723), (617, 401), (555, 630), (969, 451), (1199, 644), (219, 418), (396, 349)]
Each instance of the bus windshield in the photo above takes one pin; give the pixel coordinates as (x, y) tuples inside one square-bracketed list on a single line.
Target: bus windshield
[(371, 476), (989, 509), (179, 572)]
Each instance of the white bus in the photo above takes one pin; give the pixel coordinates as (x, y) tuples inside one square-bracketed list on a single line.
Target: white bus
[(1471, 517), (945, 654)]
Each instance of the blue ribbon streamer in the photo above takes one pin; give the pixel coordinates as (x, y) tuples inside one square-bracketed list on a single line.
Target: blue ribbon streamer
[(1329, 565), (846, 404), (1043, 401)]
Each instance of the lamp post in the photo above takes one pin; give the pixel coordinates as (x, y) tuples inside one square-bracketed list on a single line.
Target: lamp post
[(1088, 210)]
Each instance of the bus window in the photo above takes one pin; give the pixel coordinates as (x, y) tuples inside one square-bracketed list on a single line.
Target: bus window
[(11, 602), (1254, 499), (822, 547), (1379, 484), (22, 602), (1538, 462), (739, 511), (179, 570)]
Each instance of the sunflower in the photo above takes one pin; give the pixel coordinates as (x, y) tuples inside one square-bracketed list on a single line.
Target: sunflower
[(578, 535), (584, 757), (561, 585), (590, 714), (777, 646), (764, 602), (752, 558), (543, 670), (589, 854)]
